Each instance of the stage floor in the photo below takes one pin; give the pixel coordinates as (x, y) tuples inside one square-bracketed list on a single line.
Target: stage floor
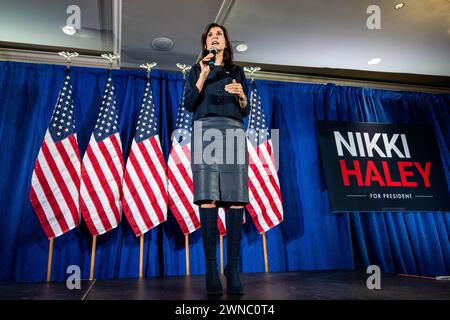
[(305, 285)]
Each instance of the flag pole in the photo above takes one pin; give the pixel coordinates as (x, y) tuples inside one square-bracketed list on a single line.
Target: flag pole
[(110, 57), (186, 238), (94, 244), (266, 264), (252, 71), (141, 256), (184, 68), (148, 66), (221, 253), (68, 56), (49, 263)]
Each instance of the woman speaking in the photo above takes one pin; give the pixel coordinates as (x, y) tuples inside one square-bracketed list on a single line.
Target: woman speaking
[(216, 92)]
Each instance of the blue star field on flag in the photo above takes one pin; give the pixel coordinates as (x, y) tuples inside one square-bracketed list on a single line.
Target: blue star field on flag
[(183, 126), (147, 124), (257, 131), (62, 123), (107, 122)]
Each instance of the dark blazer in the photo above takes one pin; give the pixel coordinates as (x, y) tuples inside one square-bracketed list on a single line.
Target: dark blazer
[(213, 100)]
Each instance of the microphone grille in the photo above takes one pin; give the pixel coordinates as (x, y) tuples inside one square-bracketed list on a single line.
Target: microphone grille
[(213, 49)]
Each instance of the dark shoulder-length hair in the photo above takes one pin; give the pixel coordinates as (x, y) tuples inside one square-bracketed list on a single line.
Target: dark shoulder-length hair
[(227, 52)]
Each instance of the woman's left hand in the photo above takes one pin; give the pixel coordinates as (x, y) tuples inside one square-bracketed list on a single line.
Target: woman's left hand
[(235, 88)]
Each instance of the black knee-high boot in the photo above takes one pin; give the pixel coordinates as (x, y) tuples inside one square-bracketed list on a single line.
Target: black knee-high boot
[(233, 218), (208, 221)]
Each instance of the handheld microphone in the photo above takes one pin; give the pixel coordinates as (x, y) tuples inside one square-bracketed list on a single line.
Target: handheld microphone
[(212, 62)]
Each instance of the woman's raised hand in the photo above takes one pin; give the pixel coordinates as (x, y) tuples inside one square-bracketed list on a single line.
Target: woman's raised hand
[(204, 64), (235, 88)]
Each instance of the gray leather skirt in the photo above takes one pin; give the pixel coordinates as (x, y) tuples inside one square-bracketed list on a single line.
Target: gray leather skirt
[(219, 160)]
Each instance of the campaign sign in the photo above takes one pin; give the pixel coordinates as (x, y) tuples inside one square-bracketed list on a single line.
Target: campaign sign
[(382, 167)]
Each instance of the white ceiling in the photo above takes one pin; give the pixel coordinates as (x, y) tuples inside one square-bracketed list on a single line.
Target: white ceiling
[(324, 33), (181, 21), (39, 23), (317, 34)]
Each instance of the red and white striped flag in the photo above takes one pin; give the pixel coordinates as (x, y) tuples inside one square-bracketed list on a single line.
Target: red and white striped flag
[(179, 173), (221, 224), (102, 169), (265, 205), (145, 180), (55, 182)]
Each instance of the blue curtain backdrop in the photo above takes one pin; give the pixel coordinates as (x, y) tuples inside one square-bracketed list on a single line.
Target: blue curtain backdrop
[(310, 238)]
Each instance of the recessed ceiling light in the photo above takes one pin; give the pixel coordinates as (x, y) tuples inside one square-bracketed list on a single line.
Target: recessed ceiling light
[(373, 61), (69, 30), (241, 47), (162, 44), (398, 6)]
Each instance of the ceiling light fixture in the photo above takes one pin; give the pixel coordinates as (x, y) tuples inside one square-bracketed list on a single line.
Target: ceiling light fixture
[(241, 47), (69, 30), (373, 61), (398, 6), (162, 44)]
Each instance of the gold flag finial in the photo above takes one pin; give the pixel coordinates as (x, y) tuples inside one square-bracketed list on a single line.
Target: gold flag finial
[(184, 68), (252, 71), (69, 56), (111, 57), (148, 66)]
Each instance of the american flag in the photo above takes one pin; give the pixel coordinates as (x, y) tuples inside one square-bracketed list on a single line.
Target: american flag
[(179, 173), (265, 206), (221, 225), (102, 169), (221, 222), (55, 182), (145, 180)]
